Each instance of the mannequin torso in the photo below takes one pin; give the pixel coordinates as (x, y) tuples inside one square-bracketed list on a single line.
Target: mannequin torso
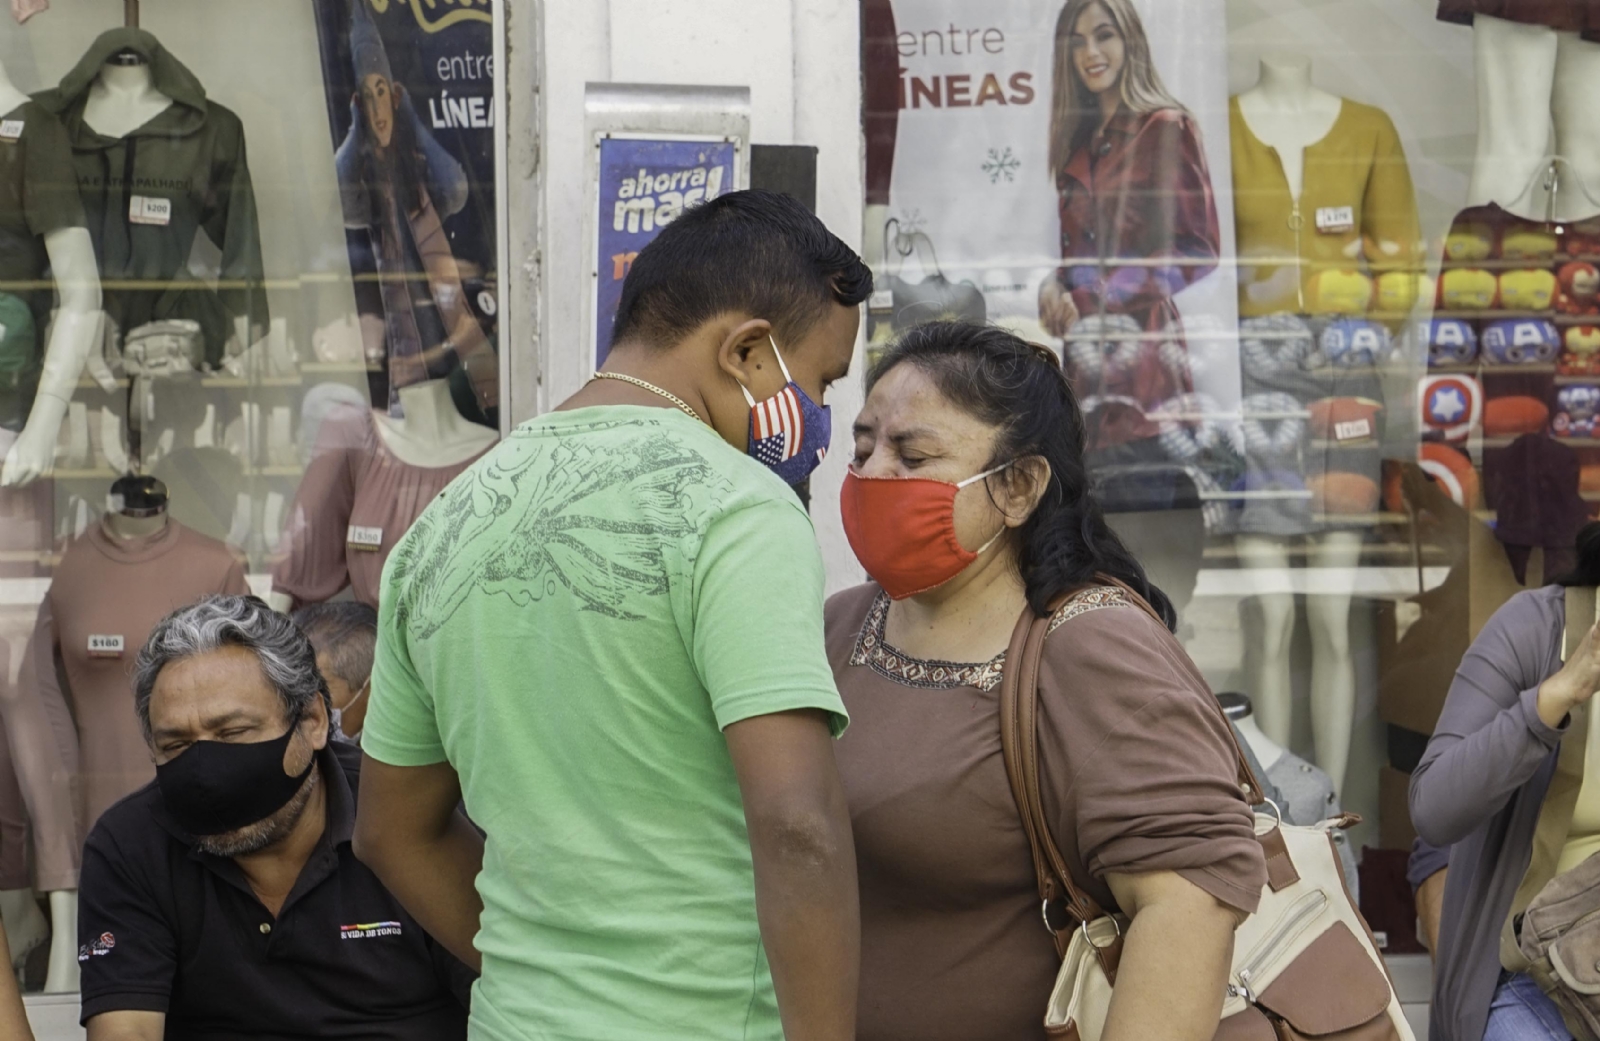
[(1267, 750), (122, 100), (122, 526), (433, 433), (1288, 114), (432, 444)]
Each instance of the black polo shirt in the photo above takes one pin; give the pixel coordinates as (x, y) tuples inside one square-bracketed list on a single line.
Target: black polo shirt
[(163, 927)]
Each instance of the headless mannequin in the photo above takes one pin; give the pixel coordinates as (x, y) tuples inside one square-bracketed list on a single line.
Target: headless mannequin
[(1288, 114), (62, 975), (1531, 79), (73, 334), (1333, 681), (432, 434), (123, 98), (1267, 751)]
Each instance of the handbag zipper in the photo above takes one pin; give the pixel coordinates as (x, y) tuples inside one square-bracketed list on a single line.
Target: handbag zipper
[(1295, 919)]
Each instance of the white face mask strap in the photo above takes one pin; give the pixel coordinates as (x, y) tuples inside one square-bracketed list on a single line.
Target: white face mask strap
[(975, 478), (786, 378), (983, 548), (972, 480)]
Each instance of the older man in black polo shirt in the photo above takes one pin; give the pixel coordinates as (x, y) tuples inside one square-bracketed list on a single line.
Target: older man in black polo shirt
[(223, 900)]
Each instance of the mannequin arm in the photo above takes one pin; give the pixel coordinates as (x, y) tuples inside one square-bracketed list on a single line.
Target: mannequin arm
[(62, 976), (74, 334)]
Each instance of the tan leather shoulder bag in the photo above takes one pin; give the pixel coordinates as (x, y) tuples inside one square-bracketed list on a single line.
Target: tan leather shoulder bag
[(1304, 964)]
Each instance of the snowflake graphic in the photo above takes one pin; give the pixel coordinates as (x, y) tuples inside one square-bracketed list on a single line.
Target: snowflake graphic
[(1001, 164)]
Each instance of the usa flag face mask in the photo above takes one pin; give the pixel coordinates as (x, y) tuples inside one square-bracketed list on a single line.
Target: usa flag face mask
[(789, 433)]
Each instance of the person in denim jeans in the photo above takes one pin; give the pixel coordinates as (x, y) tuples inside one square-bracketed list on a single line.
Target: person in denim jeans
[(1521, 1012)]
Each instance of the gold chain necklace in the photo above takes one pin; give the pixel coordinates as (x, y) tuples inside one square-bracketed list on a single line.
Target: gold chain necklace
[(637, 382)]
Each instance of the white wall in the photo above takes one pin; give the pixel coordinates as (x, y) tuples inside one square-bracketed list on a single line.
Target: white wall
[(800, 60)]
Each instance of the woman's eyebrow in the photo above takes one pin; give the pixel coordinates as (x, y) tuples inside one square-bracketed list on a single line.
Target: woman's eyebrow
[(913, 434)]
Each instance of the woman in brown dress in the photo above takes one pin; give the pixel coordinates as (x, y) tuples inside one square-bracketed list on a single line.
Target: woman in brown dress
[(1137, 766)]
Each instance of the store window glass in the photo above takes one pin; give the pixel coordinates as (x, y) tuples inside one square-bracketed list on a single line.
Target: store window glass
[(248, 329), (1325, 279)]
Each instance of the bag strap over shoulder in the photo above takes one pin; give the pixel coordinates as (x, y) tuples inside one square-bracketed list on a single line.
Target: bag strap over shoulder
[(1019, 745)]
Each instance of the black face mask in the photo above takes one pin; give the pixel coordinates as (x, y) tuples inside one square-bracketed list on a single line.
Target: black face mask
[(213, 787)]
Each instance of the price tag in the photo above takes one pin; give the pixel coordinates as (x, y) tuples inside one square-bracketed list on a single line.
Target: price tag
[(104, 646), (362, 538), (11, 129), (1335, 218), (147, 209), (1353, 430)]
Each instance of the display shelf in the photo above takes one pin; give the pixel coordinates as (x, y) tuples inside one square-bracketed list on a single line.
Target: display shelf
[(339, 366), (108, 474), (1571, 442), (1322, 444), (225, 382), (250, 382)]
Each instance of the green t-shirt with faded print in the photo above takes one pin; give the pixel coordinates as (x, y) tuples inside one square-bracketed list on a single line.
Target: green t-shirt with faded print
[(571, 624)]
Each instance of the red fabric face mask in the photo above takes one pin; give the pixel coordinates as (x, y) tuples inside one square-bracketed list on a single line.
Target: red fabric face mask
[(903, 530)]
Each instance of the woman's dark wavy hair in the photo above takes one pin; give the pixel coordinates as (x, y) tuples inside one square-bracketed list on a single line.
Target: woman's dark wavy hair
[(1006, 382), (1587, 570)]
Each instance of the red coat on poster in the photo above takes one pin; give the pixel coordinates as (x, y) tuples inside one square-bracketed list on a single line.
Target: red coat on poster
[(1138, 217), (1138, 222)]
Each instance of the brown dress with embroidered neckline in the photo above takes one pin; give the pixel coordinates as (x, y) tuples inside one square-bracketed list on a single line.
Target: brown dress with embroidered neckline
[(1135, 760)]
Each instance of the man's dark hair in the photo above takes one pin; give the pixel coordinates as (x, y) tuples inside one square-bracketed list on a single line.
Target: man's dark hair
[(344, 634), (754, 252)]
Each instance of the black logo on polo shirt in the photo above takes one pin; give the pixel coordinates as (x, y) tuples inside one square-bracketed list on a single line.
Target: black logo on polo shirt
[(368, 930), (97, 948)]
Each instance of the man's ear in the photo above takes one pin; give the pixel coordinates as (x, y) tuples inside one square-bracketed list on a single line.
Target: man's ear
[(316, 718), (1028, 480), (744, 348)]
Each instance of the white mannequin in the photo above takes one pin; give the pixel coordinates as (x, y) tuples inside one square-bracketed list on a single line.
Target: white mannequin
[(1267, 751), (1530, 77), (1333, 679), (432, 434), (122, 99), (25, 924), (75, 332), (1289, 114)]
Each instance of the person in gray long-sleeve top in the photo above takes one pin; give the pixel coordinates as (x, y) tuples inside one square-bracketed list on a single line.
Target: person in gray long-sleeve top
[(1480, 789)]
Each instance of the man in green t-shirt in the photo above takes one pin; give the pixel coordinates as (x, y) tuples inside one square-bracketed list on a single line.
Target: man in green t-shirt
[(606, 639)]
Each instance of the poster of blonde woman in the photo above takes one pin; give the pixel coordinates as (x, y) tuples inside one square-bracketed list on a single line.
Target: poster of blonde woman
[(1060, 168)]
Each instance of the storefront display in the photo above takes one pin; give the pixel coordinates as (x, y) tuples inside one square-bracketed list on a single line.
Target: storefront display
[(1368, 347), (248, 311)]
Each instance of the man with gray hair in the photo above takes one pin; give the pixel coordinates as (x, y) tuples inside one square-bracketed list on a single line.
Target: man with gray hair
[(223, 900), (344, 633)]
